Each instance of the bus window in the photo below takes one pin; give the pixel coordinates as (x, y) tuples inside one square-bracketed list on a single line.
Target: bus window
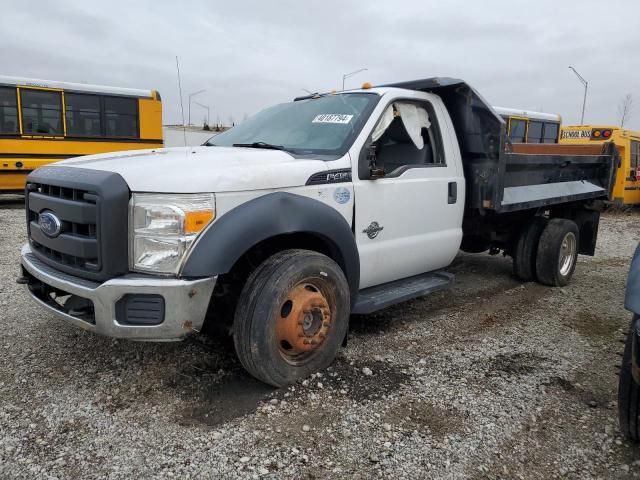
[(517, 130), (550, 133), (534, 132), (83, 114), (528, 126), (8, 110), (41, 112), (634, 158), (121, 116)]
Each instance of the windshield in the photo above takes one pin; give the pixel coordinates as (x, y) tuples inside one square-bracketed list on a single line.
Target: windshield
[(323, 125)]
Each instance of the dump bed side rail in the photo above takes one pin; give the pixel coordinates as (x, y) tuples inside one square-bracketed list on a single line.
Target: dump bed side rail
[(555, 175)]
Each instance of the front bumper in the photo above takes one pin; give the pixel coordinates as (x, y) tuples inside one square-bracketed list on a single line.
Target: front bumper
[(185, 301)]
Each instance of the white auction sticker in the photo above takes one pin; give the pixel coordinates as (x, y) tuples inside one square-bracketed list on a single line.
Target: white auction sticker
[(332, 118)]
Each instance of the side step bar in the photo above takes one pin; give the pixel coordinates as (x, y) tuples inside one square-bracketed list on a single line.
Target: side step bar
[(381, 296)]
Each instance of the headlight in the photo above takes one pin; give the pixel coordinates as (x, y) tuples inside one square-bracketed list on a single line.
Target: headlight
[(162, 227)]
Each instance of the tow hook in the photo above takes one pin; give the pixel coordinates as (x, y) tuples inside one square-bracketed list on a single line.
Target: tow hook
[(22, 280)]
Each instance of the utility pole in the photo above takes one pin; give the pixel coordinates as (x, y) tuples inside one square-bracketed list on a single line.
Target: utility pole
[(190, 96), (347, 75), (586, 85), (205, 107)]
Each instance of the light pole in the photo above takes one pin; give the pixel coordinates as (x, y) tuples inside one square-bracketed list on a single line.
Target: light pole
[(347, 75), (586, 85), (204, 106), (193, 95)]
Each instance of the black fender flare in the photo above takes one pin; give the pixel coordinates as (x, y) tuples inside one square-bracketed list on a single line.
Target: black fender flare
[(235, 232)]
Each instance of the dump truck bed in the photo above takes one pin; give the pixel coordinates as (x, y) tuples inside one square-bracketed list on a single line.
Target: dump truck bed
[(501, 177)]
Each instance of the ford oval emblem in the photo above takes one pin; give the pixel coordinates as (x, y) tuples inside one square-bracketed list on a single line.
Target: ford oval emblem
[(49, 224)]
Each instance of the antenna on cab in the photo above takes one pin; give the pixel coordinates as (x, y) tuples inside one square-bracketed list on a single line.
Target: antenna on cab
[(184, 128)]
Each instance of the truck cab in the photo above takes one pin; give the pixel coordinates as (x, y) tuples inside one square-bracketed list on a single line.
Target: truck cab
[(312, 210)]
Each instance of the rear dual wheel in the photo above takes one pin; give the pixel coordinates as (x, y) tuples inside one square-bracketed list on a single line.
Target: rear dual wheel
[(547, 251), (526, 249), (292, 316), (557, 252)]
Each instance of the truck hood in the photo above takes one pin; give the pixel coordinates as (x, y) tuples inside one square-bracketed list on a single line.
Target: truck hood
[(203, 169)]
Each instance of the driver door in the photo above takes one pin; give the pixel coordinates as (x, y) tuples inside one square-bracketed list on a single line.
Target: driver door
[(410, 220)]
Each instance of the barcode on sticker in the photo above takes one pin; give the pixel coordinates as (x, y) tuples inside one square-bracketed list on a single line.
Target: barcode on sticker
[(332, 118)]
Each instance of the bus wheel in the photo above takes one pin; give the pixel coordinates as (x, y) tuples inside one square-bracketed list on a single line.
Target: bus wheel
[(524, 255), (557, 252), (292, 316)]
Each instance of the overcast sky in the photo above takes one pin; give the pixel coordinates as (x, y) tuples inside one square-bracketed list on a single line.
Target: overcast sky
[(251, 54)]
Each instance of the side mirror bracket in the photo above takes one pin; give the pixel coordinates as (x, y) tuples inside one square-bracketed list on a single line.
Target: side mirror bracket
[(374, 171)]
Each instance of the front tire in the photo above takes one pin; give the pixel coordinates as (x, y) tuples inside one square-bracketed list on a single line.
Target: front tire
[(292, 316), (629, 390), (557, 252)]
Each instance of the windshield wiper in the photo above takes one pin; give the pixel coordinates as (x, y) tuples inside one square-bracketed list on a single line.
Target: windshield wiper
[(260, 145)]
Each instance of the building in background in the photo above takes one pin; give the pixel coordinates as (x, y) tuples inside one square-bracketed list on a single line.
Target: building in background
[(176, 136)]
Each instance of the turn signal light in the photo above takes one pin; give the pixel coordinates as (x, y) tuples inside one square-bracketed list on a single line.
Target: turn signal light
[(597, 133), (194, 222)]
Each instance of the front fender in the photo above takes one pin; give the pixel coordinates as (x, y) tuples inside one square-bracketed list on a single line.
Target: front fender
[(235, 232)]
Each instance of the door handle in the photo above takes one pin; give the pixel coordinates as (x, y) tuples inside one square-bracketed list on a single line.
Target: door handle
[(453, 192)]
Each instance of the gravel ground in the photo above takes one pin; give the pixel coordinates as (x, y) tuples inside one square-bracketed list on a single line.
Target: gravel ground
[(493, 379)]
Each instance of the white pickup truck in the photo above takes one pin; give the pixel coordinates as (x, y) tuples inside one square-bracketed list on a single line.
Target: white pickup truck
[(312, 210)]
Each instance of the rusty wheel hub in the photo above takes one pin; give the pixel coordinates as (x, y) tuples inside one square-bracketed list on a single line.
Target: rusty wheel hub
[(304, 320)]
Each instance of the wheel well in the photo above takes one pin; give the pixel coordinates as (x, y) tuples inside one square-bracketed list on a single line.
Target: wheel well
[(498, 231), (503, 230), (587, 217), (229, 285)]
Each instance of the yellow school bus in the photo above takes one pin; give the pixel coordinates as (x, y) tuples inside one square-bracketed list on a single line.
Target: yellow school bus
[(627, 187), (525, 126), (43, 121)]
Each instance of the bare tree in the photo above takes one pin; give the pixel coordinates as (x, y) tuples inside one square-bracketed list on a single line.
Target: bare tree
[(625, 108)]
